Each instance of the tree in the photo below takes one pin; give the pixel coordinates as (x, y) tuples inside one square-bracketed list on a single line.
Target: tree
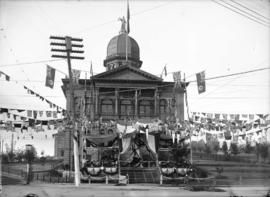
[(257, 151), (248, 148), (194, 145), (31, 154), (215, 146), (20, 155), (225, 147), (234, 148), (264, 150), (201, 146), (208, 149)]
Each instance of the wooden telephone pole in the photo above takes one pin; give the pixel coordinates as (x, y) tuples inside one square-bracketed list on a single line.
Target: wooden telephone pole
[(68, 51)]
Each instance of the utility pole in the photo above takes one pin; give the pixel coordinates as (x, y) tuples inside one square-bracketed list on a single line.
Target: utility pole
[(68, 50)]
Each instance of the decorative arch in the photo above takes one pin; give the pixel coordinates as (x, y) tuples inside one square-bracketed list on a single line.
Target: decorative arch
[(126, 107), (107, 106), (146, 108)]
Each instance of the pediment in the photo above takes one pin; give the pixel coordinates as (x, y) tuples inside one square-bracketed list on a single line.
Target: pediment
[(127, 73)]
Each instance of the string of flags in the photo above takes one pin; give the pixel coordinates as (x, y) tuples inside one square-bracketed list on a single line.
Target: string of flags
[(50, 77), (200, 78), (22, 115), (201, 82), (52, 105), (7, 77), (224, 116)]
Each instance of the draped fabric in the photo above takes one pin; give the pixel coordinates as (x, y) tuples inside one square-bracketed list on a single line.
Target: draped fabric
[(125, 129), (120, 128), (125, 144), (173, 136), (151, 143), (178, 138), (104, 139)]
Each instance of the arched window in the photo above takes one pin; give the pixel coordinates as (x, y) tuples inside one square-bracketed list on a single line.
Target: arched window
[(107, 107), (145, 108), (162, 106), (173, 105), (126, 108)]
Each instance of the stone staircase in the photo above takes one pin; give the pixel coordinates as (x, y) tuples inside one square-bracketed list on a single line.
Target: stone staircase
[(142, 175)]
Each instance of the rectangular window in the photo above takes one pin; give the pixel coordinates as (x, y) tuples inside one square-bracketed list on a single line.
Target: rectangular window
[(62, 153)]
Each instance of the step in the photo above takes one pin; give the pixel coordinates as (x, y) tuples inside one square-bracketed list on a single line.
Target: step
[(141, 175)]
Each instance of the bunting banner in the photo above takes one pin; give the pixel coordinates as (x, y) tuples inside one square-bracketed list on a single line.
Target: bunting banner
[(128, 18), (91, 70), (50, 77), (76, 75), (7, 77), (29, 91), (177, 78), (201, 82)]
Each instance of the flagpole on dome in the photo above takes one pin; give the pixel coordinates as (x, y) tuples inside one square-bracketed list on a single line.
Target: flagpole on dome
[(127, 30)]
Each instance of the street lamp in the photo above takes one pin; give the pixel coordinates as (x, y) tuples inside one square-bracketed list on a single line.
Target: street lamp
[(28, 148)]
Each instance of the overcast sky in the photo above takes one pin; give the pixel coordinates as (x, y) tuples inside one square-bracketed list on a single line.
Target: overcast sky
[(188, 36)]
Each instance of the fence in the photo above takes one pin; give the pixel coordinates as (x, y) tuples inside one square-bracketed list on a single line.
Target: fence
[(230, 157)]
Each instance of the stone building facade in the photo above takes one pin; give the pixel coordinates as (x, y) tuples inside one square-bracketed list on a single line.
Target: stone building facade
[(123, 91)]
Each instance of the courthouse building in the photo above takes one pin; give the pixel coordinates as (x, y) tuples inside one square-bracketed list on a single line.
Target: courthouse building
[(123, 91)]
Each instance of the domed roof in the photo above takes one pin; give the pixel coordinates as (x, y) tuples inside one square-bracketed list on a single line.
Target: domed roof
[(117, 47)]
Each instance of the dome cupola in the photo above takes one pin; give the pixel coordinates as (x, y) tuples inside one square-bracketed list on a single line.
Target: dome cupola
[(122, 50)]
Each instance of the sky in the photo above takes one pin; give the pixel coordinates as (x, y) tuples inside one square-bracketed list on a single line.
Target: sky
[(187, 36)]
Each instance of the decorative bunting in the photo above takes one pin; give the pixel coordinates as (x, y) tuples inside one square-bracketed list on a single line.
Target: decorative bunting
[(201, 82), (76, 75), (50, 77), (40, 113), (55, 114), (7, 77), (177, 78)]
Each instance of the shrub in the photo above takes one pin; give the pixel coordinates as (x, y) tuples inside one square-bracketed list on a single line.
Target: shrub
[(234, 148), (248, 148), (263, 148), (225, 147)]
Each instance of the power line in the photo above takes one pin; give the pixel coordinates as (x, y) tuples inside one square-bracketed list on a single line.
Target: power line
[(112, 21), (234, 74), (237, 97), (250, 9), (258, 18), (240, 13), (33, 62)]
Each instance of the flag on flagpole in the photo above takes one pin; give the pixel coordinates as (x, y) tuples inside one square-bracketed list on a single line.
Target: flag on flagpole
[(201, 82), (91, 70), (177, 78), (76, 75), (165, 70), (50, 77), (128, 17)]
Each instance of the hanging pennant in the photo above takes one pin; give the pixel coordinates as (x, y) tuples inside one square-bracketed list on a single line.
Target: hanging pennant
[(40, 113), (50, 77), (201, 82), (35, 114), (49, 114), (29, 113), (177, 78), (54, 114), (76, 75)]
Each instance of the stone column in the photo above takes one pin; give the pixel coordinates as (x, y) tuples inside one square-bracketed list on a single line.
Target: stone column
[(116, 103), (97, 102), (179, 103), (136, 104), (156, 111)]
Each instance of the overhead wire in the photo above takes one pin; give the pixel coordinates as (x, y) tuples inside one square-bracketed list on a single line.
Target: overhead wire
[(250, 9), (112, 21), (228, 7), (249, 14)]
